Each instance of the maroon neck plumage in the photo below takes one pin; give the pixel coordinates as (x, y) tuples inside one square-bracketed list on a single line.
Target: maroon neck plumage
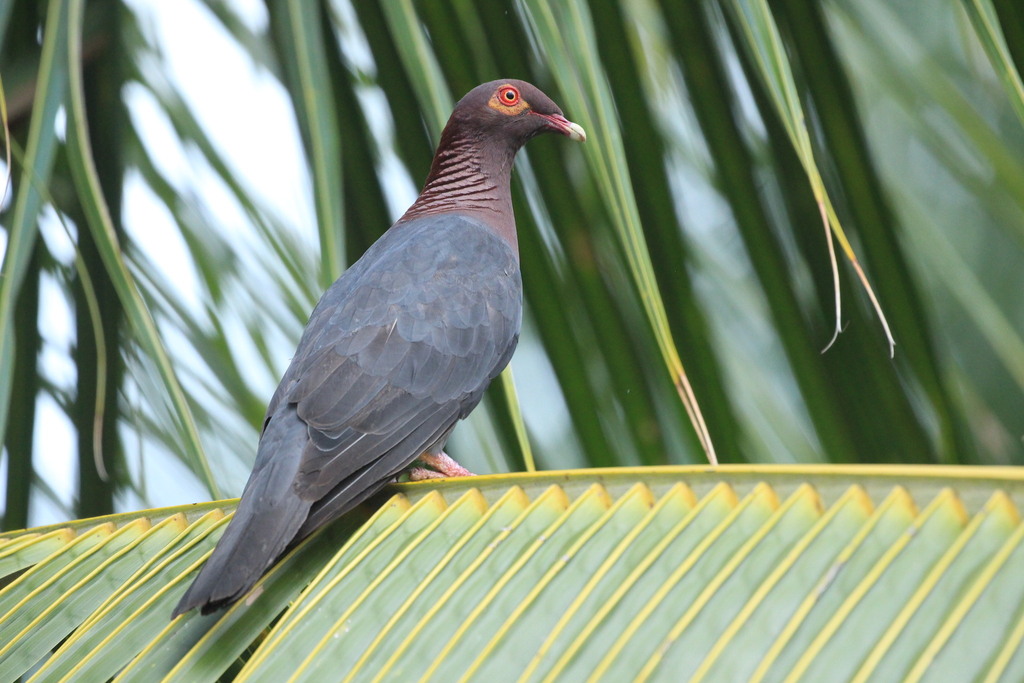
[(470, 175)]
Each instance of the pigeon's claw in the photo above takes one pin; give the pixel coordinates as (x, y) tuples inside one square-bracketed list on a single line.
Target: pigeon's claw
[(442, 465)]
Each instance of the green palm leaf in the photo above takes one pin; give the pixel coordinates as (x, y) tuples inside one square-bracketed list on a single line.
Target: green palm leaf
[(746, 573)]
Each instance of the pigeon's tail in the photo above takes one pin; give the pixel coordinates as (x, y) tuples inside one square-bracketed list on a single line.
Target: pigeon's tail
[(266, 521)]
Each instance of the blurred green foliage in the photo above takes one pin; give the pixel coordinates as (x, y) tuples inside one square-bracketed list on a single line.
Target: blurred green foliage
[(687, 227)]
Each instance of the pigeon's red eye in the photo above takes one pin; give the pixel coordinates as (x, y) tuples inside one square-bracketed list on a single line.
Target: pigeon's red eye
[(508, 95)]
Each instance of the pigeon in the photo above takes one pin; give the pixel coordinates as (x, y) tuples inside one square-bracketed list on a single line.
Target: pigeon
[(399, 349)]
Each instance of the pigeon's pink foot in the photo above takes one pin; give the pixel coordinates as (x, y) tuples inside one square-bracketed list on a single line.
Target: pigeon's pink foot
[(443, 466)]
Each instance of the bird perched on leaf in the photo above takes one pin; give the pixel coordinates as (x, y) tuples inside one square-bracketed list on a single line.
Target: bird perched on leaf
[(398, 350)]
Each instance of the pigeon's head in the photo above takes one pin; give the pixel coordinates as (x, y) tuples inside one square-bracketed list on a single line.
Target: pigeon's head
[(512, 110)]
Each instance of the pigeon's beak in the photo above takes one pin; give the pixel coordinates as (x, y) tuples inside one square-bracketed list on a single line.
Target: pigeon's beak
[(560, 124)]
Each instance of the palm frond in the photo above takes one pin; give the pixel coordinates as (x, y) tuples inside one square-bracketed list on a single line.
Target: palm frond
[(745, 573)]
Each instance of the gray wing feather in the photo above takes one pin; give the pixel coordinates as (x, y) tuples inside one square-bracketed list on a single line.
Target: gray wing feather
[(398, 350), (374, 476), (424, 334)]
